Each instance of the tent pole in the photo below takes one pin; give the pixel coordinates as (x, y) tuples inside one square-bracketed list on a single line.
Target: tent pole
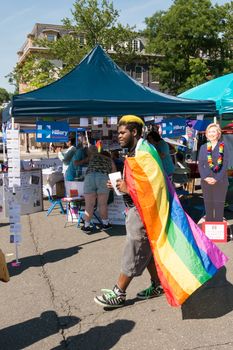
[(17, 263), (220, 120), (4, 152), (86, 134), (4, 144), (12, 128)]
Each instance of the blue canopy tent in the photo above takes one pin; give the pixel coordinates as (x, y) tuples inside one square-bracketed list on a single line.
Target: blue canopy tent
[(98, 87), (219, 90)]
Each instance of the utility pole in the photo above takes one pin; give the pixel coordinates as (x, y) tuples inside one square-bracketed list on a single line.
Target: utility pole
[(27, 143)]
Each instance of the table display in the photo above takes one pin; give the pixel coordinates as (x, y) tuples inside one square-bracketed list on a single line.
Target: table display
[(29, 194)]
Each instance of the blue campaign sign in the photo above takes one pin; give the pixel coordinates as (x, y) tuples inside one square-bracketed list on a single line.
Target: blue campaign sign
[(173, 127), (52, 131)]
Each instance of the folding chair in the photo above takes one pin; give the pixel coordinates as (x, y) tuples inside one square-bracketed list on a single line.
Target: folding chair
[(73, 200), (54, 203), (96, 218), (180, 180), (81, 215), (71, 203)]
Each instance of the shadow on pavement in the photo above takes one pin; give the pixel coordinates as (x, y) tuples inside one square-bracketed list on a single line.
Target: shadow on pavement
[(99, 337), (213, 299), (93, 241), (24, 334), (41, 260), (4, 224), (115, 230), (128, 303)]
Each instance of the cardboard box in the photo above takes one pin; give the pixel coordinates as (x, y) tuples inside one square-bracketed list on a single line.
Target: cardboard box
[(60, 189)]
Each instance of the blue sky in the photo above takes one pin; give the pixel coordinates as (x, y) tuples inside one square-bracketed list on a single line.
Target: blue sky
[(17, 18)]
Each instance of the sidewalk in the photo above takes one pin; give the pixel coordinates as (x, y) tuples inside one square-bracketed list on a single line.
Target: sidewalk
[(48, 303)]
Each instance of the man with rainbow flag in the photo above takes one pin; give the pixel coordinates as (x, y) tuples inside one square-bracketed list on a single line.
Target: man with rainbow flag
[(160, 235)]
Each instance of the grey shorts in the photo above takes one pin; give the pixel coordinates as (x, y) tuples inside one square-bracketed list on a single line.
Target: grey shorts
[(137, 252), (96, 183)]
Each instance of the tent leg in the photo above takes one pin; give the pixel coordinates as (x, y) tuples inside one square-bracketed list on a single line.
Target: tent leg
[(220, 120)]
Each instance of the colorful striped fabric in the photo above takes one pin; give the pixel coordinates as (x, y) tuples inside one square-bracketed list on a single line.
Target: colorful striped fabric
[(185, 258), (99, 145)]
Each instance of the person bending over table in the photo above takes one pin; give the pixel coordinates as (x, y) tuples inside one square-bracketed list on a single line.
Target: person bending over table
[(79, 159), (95, 186)]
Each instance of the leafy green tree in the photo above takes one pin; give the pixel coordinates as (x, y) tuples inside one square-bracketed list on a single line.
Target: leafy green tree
[(97, 20), (4, 96), (227, 37), (35, 70), (187, 42), (198, 69)]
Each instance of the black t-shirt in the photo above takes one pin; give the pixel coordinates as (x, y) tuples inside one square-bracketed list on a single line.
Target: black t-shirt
[(126, 197)]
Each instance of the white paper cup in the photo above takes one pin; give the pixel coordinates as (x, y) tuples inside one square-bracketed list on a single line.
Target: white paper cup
[(113, 178)]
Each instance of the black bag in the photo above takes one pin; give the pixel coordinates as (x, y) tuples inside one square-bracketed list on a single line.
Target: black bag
[(111, 197)]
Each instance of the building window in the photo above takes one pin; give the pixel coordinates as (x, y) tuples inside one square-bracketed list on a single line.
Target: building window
[(128, 70), (111, 48), (51, 37), (82, 39), (139, 74), (136, 45), (154, 78)]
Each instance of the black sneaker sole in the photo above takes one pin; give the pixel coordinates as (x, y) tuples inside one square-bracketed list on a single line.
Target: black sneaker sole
[(99, 302), (150, 297), (89, 229)]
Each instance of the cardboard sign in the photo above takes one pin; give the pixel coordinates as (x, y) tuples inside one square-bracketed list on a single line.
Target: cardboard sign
[(215, 231)]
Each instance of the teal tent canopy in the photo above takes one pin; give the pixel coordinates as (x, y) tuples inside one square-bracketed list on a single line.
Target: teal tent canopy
[(98, 87), (219, 90)]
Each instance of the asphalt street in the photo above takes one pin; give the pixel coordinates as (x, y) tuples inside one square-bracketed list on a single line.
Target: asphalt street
[(48, 302)]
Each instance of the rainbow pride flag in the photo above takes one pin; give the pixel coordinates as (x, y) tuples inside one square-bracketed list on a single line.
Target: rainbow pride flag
[(99, 145), (185, 258)]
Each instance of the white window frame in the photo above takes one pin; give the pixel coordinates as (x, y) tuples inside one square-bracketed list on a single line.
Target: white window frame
[(139, 78), (136, 45), (153, 80), (82, 39), (52, 35)]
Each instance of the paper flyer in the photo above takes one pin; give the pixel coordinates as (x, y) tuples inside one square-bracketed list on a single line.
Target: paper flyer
[(83, 122), (14, 163), (12, 134), (113, 120), (15, 227), (14, 182), (11, 143), (98, 120), (15, 238)]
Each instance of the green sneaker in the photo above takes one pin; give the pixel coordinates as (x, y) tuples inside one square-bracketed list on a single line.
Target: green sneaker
[(111, 298), (152, 292)]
